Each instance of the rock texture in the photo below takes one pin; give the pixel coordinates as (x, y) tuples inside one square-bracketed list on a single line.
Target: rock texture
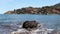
[(30, 25)]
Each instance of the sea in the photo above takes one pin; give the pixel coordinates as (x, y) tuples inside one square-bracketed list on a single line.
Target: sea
[(12, 22)]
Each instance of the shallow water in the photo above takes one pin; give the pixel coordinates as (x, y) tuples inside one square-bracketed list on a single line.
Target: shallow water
[(6, 21)]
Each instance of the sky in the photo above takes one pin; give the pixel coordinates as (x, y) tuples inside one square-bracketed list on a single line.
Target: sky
[(6, 5)]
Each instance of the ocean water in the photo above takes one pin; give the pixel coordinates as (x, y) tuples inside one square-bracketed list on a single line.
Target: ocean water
[(12, 22)]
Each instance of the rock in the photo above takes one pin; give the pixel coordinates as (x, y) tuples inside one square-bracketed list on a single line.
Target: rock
[(27, 27), (30, 25)]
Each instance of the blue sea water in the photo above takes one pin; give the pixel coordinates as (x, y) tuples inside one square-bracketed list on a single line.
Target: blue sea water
[(51, 21)]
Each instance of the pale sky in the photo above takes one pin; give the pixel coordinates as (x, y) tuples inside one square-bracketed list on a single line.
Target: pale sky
[(6, 5)]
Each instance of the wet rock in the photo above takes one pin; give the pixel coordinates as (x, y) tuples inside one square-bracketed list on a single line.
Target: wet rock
[(32, 27), (27, 27), (30, 24)]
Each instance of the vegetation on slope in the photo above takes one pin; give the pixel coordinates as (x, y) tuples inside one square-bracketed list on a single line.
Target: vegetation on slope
[(55, 9)]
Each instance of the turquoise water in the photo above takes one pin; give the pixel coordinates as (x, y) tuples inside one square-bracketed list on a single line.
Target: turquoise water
[(51, 21)]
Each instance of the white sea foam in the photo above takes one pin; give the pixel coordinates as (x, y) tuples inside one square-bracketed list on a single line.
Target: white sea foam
[(39, 30)]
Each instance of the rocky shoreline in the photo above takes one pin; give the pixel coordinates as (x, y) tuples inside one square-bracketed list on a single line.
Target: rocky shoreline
[(55, 9)]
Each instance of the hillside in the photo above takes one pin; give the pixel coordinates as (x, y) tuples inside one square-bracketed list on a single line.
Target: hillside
[(55, 9)]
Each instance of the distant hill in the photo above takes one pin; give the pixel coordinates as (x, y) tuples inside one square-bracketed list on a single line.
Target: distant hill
[(57, 6), (55, 9)]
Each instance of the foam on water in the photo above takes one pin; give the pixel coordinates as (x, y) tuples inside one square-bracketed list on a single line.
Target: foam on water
[(14, 29), (39, 30), (50, 21), (32, 32)]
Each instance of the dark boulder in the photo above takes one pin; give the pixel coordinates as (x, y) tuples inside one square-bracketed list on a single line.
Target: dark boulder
[(30, 24)]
